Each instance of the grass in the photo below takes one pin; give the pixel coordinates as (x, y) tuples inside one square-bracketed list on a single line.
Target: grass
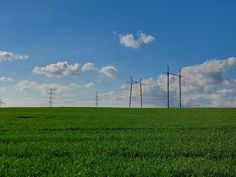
[(117, 142)]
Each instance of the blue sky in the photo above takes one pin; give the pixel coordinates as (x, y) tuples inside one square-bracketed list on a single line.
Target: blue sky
[(183, 33)]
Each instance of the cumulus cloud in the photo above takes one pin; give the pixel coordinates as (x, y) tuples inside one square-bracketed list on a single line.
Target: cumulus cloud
[(209, 72), (129, 40), (206, 84), (64, 69), (10, 56), (60, 69), (5, 79), (88, 67), (109, 71)]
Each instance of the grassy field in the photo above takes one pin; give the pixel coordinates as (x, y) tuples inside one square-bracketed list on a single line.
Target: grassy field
[(117, 142)]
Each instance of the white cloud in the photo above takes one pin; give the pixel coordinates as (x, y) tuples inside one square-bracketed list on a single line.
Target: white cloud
[(109, 71), (6, 79), (60, 69), (85, 86), (10, 56), (129, 40), (89, 85), (209, 72), (88, 67), (145, 38), (43, 88), (64, 69), (27, 85), (2, 89)]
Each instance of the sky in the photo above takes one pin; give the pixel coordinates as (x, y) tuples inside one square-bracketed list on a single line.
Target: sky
[(80, 47)]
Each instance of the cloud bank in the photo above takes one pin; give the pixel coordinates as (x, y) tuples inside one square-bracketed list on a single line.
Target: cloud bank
[(64, 69)]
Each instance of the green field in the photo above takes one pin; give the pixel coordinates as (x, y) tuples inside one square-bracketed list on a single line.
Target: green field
[(117, 142)]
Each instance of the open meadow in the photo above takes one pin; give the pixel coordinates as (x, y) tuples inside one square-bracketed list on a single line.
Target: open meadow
[(117, 142)]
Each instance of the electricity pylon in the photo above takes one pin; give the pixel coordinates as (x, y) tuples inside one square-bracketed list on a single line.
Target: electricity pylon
[(141, 92), (132, 82), (51, 94), (168, 73)]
